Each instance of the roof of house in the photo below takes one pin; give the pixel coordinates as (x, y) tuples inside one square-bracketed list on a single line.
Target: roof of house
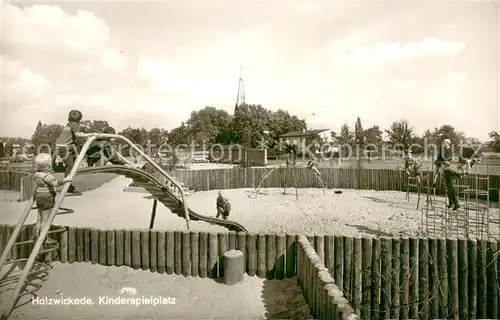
[(306, 133)]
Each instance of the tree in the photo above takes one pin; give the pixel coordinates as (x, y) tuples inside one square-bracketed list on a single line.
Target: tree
[(494, 143), (158, 136), (248, 125), (359, 136), (93, 126), (448, 132), (207, 124), (38, 126), (179, 135), (46, 135), (373, 139), (401, 135), (345, 139)]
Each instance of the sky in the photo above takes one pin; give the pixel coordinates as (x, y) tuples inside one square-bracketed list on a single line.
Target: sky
[(151, 64)]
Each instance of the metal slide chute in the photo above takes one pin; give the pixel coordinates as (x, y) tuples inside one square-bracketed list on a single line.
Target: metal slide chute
[(162, 193)]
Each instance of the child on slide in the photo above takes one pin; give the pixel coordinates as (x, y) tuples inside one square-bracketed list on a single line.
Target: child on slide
[(45, 191), (102, 150)]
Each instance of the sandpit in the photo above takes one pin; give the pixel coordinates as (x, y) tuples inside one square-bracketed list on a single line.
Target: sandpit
[(352, 213), (190, 298)]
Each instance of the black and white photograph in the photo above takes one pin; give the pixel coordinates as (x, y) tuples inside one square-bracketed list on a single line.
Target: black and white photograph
[(250, 159)]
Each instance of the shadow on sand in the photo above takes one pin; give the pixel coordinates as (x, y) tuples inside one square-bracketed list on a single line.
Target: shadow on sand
[(33, 283), (283, 299)]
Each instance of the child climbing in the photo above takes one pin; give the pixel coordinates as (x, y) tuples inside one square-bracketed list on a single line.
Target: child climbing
[(313, 165), (45, 191), (223, 206), (66, 148), (102, 150)]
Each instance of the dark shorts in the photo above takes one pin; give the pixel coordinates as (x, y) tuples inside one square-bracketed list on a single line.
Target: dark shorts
[(45, 201)]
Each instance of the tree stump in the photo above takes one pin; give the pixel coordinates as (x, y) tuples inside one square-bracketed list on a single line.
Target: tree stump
[(234, 267)]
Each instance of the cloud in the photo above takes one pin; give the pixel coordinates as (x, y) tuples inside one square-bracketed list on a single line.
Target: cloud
[(394, 52), (54, 61)]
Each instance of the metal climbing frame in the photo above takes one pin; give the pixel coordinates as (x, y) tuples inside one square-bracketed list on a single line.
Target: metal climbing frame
[(413, 182), (471, 220), (29, 263)]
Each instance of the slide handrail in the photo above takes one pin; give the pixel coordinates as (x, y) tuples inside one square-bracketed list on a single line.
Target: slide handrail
[(93, 136)]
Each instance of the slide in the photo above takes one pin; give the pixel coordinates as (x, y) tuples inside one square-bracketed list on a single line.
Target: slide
[(161, 193)]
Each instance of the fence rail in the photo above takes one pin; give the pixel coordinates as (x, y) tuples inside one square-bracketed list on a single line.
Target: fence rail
[(404, 278), (13, 181), (216, 179), (364, 179)]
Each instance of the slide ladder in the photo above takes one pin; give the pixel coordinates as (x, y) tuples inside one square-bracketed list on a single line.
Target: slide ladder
[(30, 266)]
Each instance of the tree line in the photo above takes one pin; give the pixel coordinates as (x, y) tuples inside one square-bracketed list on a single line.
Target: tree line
[(250, 124)]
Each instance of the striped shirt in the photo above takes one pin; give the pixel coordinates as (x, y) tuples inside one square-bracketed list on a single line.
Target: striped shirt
[(45, 183), (68, 134)]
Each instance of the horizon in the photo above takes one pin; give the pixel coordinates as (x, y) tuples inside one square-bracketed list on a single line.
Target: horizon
[(364, 60)]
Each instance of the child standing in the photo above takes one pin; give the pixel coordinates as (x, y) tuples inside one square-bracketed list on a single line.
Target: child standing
[(66, 144), (45, 190), (313, 165), (223, 206)]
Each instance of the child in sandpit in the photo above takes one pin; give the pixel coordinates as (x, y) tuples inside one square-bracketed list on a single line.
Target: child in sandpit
[(45, 191), (223, 206), (313, 165)]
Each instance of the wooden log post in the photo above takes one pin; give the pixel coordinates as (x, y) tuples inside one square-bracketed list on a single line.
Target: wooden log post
[(290, 255), (186, 253), (136, 249), (280, 256), (213, 256), (144, 249), (3, 236), (195, 255), (153, 251), (251, 243), (102, 246), (94, 246), (234, 266), (178, 252), (111, 248), (161, 252), (120, 248), (169, 252), (261, 256), (127, 248), (72, 245), (63, 247), (203, 250), (80, 244)]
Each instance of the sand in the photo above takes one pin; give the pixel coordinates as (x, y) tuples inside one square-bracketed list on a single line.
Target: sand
[(181, 297), (353, 213)]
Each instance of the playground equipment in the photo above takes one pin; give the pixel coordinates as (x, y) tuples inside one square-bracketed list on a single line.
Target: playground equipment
[(285, 173), (474, 218), (171, 195)]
